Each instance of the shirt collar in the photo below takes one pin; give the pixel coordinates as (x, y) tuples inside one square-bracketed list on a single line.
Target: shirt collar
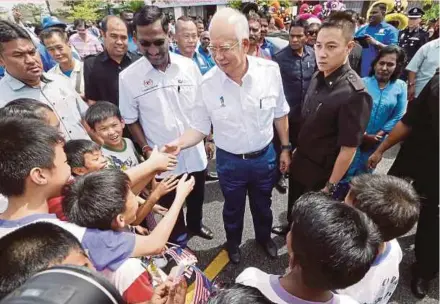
[(247, 78), (76, 68), (173, 58), (106, 56), (26, 220), (17, 84), (333, 78)]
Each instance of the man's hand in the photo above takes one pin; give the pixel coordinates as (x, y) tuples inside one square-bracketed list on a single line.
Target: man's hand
[(184, 187), (162, 161), (371, 41), (171, 148), (167, 185), (369, 141), (411, 92), (285, 159), (374, 159), (141, 230), (209, 148)]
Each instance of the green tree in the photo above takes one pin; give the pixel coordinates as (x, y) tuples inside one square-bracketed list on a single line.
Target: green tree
[(90, 10), (235, 4), (29, 10), (432, 13)]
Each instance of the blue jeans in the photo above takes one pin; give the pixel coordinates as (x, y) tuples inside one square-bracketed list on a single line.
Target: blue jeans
[(238, 177)]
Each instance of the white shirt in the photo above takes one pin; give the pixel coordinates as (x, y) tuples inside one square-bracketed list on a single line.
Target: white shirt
[(77, 72), (123, 159), (162, 102), (269, 285), (242, 116), (378, 285), (54, 91), (424, 63)]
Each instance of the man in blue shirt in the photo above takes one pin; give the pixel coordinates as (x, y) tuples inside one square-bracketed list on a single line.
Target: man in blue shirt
[(204, 52), (377, 34)]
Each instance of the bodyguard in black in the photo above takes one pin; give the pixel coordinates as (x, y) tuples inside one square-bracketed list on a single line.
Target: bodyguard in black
[(413, 37), (335, 114), (101, 72)]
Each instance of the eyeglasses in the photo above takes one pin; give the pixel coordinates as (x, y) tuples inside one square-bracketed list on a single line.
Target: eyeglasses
[(145, 43), (222, 49), (312, 33)]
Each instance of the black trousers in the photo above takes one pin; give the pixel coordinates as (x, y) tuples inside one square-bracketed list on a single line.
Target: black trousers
[(194, 205)]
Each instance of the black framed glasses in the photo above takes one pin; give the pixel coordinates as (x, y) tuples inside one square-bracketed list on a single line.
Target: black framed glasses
[(312, 33), (145, 43)]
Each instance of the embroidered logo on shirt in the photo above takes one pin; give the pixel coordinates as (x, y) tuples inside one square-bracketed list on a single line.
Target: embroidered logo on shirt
[(148, 83)]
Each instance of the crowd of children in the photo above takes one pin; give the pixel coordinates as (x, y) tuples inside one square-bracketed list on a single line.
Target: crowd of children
[(87, 204)]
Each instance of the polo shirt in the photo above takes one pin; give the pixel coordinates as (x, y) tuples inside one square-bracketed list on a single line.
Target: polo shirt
[(242, 116), (101, 75), (56, 92), (162, 103), (384, 33), (91, 46), (76, 76), (208, 59), (424, 63), (199, 60)]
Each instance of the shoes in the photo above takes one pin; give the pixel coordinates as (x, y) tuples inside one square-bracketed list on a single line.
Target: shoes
[(204, 232), (281, 186), (271, 249), (419, 287), (211, 176), (234, 254), (281, 230)]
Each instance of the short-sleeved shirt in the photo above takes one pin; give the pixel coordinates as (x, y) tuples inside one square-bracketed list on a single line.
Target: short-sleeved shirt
[(106, 249), (162, 103), (335, 113), (412, 40), (269, 285), (242, 115), (91, 46), (424, 63), (101, 74), (122, 159), (76, 76), (380, 282), (57, 93), (384, 33)]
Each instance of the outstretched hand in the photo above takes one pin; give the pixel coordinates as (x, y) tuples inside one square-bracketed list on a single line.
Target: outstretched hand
[(172, 148), (163, 161)]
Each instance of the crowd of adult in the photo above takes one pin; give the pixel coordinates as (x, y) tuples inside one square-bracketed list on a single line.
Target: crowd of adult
[(320, 111)]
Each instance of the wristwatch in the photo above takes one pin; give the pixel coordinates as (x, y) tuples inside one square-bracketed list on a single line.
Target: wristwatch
[(287, 147), (331, 187)]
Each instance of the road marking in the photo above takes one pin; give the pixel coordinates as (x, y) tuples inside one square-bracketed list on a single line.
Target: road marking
[(211, 272)]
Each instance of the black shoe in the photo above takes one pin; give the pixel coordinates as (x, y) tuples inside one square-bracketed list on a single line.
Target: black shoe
[(281, 186), (234, 254), (419, 287), (204, 232), (211, 176), (281, 230), (271, 249)]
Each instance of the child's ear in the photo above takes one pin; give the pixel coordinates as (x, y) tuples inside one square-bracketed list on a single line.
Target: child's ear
[(119, 221), (38, 176), (79, 171), (123, 123)]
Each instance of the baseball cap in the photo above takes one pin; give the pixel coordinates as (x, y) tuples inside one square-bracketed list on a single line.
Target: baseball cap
[(50, 21)]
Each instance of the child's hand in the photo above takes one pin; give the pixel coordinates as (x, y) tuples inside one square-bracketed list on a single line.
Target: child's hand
[(177, 292), (167, 185), (163, 162), (160, 295), (158, 209), (184, 187), (141, 230)]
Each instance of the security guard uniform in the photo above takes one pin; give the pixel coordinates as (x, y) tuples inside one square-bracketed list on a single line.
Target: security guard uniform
[(412, 40), (335, 113)]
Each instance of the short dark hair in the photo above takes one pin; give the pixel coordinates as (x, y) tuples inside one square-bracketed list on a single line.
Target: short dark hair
[(126, 11), (10, 31), (239, 294), (25, 108), (382, 7), (299, 23), (24, 144), (333, 243), (198, 21), (75, 150), (31, 249), (391, 202), (51, 31), (400, 61), (104, 22), (341, 20), (265, 16), (149, 14), (354, 14), (79, 23), (101, 111), (252, 16), (95, 199)]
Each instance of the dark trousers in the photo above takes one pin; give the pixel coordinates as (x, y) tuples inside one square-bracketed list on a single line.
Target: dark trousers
[(194, 206), (427, 238), (255, 177)]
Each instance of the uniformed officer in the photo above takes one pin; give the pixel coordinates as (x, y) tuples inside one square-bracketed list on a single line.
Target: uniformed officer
[(242, 97), (335, 114), (414, 36)]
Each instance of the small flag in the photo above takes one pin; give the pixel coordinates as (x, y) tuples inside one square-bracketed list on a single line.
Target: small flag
[(203, 287)]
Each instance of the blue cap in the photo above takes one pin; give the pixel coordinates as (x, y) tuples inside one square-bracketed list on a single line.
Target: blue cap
[(49, 21)]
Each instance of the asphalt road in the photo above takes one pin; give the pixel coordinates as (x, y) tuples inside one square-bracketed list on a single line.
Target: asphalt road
[(253, 255)]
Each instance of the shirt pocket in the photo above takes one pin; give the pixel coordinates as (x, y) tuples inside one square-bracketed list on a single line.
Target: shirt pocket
[(266, 112), (222, 121)]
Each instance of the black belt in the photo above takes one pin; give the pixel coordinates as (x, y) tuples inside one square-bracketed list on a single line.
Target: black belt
[(253, 154)]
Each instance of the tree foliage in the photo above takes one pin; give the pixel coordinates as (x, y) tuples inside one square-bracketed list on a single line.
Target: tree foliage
[(89, 10), (432, 12), (29, 10)]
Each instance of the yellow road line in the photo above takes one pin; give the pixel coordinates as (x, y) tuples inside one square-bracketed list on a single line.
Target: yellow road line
[(211, 272)]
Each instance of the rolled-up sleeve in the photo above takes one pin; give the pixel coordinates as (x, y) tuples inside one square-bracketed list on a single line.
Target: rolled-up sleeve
[(353, 119), (127, 103), (399, 109), (282, 107)]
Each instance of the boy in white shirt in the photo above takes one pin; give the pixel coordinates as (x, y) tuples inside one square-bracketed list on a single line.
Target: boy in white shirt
[(331, 246), (393, 205)]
